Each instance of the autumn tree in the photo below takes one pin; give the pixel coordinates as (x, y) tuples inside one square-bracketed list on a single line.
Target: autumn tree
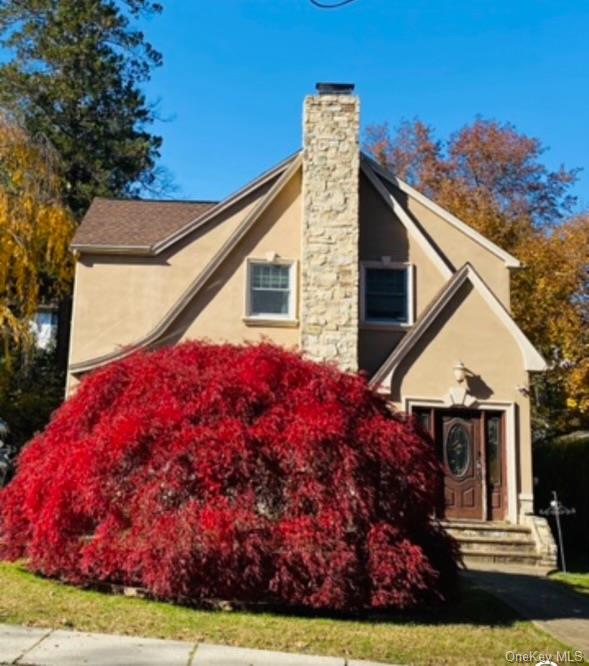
[(493, 178), (35, 267), (35, 230), (74, 74)]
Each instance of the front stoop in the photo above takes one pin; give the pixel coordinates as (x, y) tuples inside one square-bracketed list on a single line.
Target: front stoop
[(484, 544)]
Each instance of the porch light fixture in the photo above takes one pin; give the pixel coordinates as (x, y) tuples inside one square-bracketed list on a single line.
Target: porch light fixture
[(459, 372)]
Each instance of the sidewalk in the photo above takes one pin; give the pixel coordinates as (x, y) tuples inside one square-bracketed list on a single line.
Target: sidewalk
[(46, 647), (557, 610)]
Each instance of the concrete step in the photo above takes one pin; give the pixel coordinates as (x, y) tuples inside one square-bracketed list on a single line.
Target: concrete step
[(498, 531), (474, 559), (477, 544), (491, 543)]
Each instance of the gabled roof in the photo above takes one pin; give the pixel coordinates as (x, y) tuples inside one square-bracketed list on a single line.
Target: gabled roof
[(158, 333), (533, 361), (144, 227), (134, 224), (510, 260)]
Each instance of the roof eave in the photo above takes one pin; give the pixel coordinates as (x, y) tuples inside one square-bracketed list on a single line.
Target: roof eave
[(163, 244), (135, 250)]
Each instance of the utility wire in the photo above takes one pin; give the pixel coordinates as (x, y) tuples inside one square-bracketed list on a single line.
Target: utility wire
[(326, 5)]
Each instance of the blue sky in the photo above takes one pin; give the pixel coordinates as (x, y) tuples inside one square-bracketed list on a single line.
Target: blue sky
[(236, 72)]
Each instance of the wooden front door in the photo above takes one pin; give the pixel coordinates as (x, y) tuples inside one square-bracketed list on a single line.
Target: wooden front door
[(471, 448), (460, 447)]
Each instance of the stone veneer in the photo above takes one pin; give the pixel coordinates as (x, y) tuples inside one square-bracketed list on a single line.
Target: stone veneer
[(329, 280)]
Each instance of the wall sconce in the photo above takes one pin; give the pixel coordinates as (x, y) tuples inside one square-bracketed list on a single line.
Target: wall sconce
[(459, 372), (524, 390)]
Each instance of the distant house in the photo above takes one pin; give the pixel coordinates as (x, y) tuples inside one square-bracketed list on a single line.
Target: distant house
[(330, 253), (44, 326)]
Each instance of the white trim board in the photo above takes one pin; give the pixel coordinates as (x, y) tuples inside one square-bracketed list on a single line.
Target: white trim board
[(508, 408), (68, 376), (510, 260), (271, 319), (409, 269)]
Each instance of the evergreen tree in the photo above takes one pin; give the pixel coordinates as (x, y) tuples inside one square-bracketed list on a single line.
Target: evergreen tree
[(74, 78)]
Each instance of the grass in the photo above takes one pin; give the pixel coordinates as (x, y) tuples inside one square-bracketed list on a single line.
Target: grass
[(477, 630), (577, 581)]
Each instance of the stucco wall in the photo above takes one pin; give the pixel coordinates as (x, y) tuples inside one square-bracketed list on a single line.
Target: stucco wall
[(382, 234), (458, 247), (470, 332), (218, 312)]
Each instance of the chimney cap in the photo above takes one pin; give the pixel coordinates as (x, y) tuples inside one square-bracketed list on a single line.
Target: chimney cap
[(334, 88)]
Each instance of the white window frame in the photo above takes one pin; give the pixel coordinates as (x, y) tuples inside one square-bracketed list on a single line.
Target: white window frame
[(388, 323), (290, 318)]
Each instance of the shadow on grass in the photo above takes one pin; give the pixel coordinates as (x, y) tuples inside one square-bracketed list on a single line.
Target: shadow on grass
[(470, 605)]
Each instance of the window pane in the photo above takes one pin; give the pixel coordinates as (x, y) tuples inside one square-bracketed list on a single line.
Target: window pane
[(386, 294), (270, 276), (423, 418), (270, 302), (458, 447), (270, 289), (494, 449), (386, 280)]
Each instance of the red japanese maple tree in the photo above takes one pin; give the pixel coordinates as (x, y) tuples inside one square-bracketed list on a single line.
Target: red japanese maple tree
[(244, 473)]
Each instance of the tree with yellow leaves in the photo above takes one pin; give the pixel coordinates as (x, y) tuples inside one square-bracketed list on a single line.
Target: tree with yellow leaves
[(35, 231), (493, 178)]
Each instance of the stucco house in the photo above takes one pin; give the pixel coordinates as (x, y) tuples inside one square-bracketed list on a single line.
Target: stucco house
[(330, 253)]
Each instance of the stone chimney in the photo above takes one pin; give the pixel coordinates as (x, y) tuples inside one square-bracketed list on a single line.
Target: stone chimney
[(331, 162)]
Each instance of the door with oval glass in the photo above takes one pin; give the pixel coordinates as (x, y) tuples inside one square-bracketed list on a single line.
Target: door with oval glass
[(471, 446), (462, 457)]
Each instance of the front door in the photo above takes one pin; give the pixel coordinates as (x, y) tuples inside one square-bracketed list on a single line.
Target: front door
[(470, 445), (460, 447)]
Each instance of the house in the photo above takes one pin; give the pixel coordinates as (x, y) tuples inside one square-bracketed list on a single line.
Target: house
[(44, 326), (330, 253)]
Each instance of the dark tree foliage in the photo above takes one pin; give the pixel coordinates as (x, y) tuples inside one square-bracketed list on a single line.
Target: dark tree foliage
[(74, 78), (562, 464), (244, 473), (31, 388)]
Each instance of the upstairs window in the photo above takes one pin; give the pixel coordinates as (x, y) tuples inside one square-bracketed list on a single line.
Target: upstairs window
[(387, 294), (271, 290)]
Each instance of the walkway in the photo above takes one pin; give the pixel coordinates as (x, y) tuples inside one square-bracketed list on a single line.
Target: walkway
[(43, 647), (550, 605)]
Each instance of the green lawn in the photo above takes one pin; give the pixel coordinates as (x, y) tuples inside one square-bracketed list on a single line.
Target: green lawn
[(477, 630), (577, 581)]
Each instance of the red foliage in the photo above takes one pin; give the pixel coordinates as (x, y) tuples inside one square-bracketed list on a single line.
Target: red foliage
[(246, 473)]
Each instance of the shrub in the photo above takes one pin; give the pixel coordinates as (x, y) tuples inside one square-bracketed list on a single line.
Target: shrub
[(244, 473)]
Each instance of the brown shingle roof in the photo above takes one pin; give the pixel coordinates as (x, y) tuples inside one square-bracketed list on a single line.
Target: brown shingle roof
[(135, 223)]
